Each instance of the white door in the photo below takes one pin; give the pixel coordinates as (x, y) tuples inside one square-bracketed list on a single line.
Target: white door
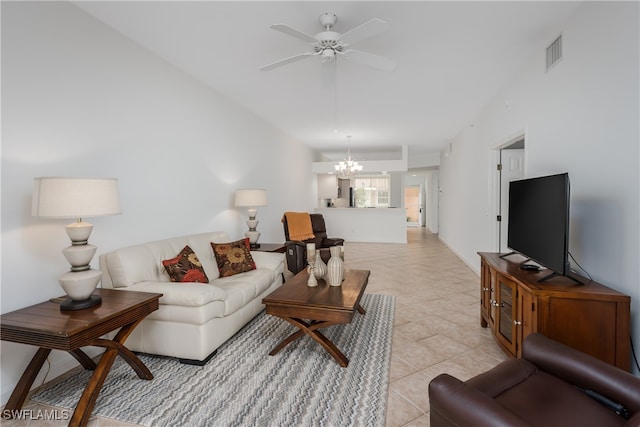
[(512, 161)]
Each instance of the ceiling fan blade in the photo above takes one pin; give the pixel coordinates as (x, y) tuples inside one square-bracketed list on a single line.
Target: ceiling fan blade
[(290, 31), (286, 61), (375, 61), (370, 28)]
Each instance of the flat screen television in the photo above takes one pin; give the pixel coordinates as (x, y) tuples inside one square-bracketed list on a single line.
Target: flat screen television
[(538, 226)]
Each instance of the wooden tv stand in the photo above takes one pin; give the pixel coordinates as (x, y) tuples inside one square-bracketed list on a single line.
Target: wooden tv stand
[(590, 317)]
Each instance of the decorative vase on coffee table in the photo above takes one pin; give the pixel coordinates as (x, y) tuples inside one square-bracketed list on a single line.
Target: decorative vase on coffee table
[(335, 267), (320, 268), (311, 280)]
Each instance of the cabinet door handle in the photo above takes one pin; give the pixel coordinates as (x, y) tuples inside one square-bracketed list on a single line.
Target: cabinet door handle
[(486, 289), (517, 322)]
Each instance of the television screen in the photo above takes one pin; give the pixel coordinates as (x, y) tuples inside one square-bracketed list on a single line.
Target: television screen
[(538, 225)]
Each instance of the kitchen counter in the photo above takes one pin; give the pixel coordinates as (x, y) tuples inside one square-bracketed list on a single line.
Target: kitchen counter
[(379, 225)]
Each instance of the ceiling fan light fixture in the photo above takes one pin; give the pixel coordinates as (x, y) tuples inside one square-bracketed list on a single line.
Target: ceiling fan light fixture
[(328, 53)]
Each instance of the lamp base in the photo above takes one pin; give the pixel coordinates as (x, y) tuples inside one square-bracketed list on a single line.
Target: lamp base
[(72, 305), (253, 237)]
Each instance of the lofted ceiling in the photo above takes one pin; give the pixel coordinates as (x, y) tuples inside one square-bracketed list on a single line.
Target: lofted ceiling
[(452, 58)]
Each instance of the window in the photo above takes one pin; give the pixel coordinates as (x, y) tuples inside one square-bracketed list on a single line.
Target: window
[(372, 191)]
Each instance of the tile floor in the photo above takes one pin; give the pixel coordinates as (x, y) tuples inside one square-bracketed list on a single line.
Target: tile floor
[(437, 323), (437, 319)]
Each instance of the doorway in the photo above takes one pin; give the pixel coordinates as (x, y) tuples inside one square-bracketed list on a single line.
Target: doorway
[(511, 168), (413, 204)]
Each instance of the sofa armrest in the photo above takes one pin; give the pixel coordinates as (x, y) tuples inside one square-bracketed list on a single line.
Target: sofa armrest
[(332, 241), (503, 376), (583, 370), (455, 403), (269, 260)]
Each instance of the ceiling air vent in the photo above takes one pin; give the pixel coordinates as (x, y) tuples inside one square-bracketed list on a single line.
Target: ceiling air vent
[(554, 52)]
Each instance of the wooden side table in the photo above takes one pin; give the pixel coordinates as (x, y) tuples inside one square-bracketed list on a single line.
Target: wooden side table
[(45, 326)]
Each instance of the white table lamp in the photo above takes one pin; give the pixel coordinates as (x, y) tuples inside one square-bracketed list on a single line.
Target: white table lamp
[(57, 197), (251, 198)]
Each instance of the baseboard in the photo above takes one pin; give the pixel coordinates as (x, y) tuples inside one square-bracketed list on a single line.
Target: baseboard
[(473, 267)]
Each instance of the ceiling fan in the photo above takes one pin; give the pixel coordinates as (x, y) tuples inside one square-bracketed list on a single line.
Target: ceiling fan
[(328, 44)]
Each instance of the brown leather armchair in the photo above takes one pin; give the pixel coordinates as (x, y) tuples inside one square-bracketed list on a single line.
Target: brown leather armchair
[(552, 385), (296, 254)]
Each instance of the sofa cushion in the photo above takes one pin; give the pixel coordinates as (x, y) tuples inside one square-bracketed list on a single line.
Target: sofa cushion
[(242, 288), (133, 264), (186, 267), (233, 257), (563, 404), (188, 315), (201, 245), (187, 294)]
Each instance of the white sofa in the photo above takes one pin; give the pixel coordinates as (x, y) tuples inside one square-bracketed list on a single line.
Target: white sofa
[(194, 319)]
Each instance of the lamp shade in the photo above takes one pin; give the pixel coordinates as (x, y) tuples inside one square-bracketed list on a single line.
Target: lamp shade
[(56, 197), (251, 197)]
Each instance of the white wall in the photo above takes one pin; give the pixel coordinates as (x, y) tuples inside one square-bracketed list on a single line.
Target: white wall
[(78, 99), (433, 200), (396, 189), (581, 117), (423, 160)]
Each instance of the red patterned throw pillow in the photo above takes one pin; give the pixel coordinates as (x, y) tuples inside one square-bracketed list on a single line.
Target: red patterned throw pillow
[(186, 267), (233, 257)]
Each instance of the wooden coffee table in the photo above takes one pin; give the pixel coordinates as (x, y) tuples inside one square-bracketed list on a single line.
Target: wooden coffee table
[(322, 306), (45, 326)]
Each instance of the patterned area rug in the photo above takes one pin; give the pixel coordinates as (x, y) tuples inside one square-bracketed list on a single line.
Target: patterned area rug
[(243, 386)]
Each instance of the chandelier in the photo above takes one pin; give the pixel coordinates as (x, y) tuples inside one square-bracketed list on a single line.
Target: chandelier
[(349, 167)]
